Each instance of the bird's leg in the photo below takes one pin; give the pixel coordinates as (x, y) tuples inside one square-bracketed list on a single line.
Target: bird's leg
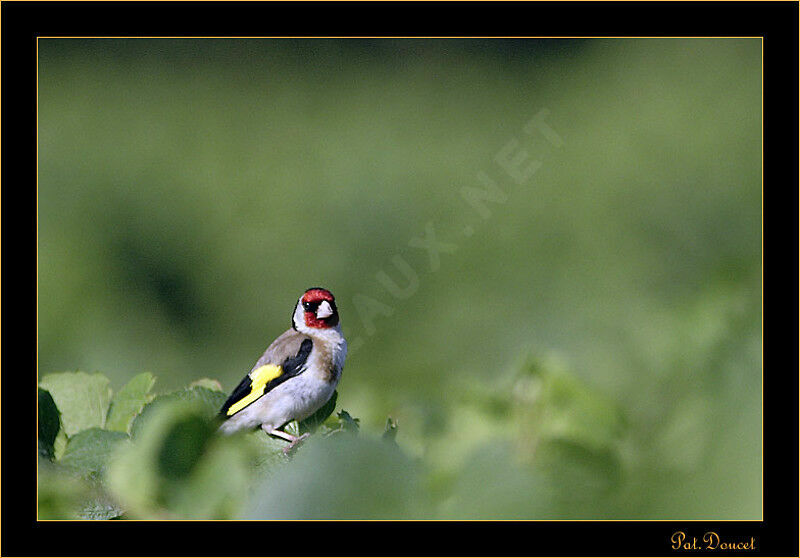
[(293, 440)]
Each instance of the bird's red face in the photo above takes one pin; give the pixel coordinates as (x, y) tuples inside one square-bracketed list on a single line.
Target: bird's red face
[(319, 309)]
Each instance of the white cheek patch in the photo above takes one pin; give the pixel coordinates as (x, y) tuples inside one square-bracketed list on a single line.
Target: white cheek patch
[(324, 310)]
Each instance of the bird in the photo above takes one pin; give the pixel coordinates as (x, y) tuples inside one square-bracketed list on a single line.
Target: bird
[(295, 376)]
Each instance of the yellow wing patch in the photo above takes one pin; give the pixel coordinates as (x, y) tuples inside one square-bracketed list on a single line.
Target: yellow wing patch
[(259, 378)]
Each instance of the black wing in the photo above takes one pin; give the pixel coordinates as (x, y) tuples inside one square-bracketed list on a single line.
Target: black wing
[(290, 368)]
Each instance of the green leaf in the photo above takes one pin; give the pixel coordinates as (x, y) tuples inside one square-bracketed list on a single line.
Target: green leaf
[(183, 445), (49, 424), (99, 508), (207, 383), (97, 503), (59, 493), (349, 423), (63, 494), (178, 466), (88, 452), (340, 422), (570, 432), (208, 404), (584, 469), (266, 452), (60, 444), (551, 403), (81, 398), (129, 401), (217, 487)]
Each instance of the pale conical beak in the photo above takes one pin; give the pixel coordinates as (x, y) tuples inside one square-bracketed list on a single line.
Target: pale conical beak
[(324, 310)]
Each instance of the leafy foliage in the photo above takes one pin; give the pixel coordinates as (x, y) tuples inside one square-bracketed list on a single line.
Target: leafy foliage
[(159, 456), (82, 399), (129, 401), (88, 451), (60, 495), (343, 422), (206, 401), (538, 443), (149, 455), (165, 472)]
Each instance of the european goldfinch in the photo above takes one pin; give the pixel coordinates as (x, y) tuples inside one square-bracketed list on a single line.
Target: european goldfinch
[(295, 376)]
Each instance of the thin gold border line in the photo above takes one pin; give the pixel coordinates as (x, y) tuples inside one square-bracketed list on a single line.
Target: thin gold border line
[(395, 36), (762, 280), (761, 37)]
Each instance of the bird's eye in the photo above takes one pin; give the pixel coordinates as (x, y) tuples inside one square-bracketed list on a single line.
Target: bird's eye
[(307, 306)]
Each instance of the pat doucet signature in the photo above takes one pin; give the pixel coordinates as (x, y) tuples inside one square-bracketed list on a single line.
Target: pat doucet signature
[(710, 541)]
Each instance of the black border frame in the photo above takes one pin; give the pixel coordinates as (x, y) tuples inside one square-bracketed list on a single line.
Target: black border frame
[(22, 22)]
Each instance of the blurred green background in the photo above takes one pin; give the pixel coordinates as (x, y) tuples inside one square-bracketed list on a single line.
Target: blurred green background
[(592, 350)]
